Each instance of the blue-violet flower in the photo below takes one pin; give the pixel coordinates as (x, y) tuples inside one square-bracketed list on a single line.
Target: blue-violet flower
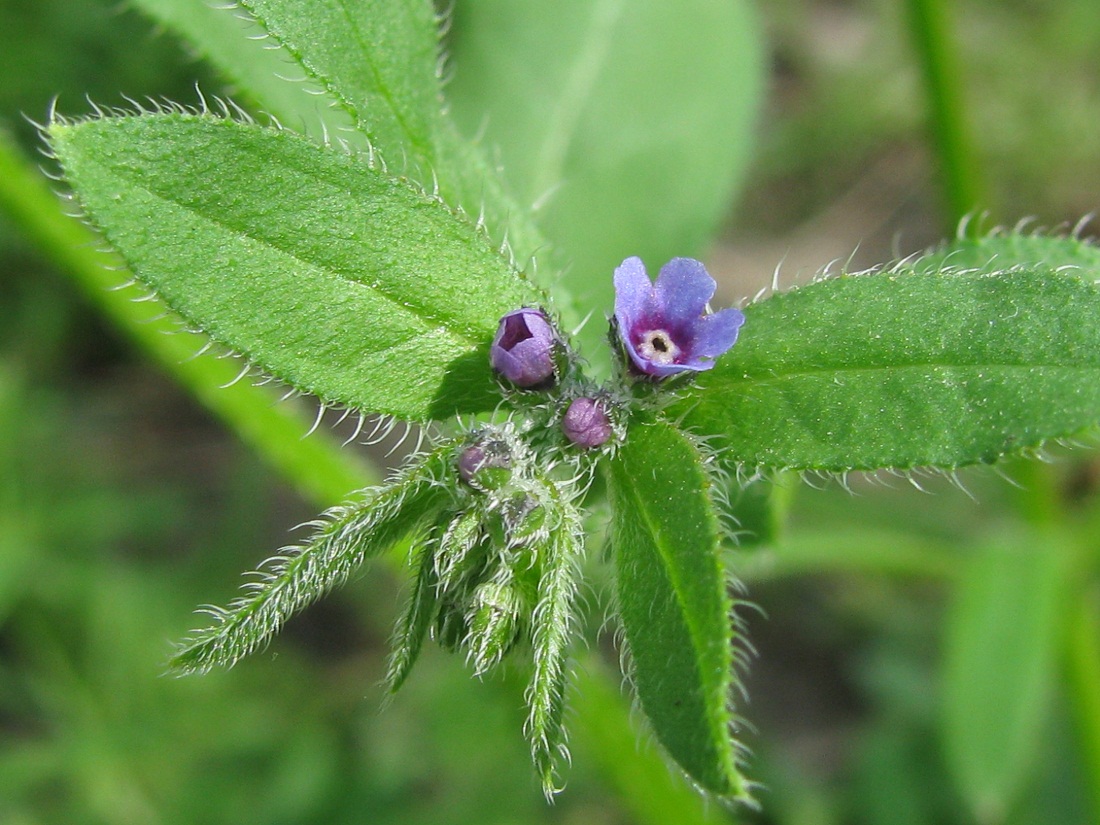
[(523, 349), (586, 423), (663, 325)]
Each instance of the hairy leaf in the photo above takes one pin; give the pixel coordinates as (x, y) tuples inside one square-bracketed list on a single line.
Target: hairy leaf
[(344, 539), (377, 56), (903, 369), (332, 276), (673, 602), (1001, 251), (415, 622), (553, 624), (265, 74), (380, 59), (638, 113), (1001, 666)]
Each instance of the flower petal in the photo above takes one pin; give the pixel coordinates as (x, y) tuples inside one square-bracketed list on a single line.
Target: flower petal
[(683, 288), (633, 292), (714, 334)]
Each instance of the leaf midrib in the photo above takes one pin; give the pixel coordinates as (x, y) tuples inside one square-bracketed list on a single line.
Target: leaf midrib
[(423, 149), (661, 546)]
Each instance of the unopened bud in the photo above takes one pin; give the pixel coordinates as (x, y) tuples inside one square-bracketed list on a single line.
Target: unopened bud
[(586, 422), (523, 350), (486, 463)]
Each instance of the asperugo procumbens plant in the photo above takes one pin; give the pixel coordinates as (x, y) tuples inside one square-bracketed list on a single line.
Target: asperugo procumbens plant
[(370, 271)]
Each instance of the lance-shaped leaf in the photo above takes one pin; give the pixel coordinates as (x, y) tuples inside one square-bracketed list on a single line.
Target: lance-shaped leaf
[(344, 538), (552, 625), (324, 271), (412, 627), (378, 57), (673, 601), (905, 368)]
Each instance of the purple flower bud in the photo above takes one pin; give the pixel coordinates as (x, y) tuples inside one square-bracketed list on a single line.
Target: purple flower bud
[(663, 325), (586, 423), (523, 350), (485, 463)]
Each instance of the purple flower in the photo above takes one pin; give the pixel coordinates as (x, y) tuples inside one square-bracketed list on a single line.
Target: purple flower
[(664, 325), (523, 350), (586, 423)]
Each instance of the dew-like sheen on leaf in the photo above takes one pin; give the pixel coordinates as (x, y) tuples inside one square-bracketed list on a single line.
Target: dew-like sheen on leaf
[(673, 603), (327, 273), (904, 369)]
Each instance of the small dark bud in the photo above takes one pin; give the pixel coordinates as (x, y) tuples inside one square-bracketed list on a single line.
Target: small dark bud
[(523, 350), (485, 464), (586, 423)]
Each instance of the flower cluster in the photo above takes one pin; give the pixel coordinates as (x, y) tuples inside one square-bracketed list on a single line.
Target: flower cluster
[(665, 328)]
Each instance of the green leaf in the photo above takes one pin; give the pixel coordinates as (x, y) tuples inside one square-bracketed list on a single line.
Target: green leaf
[(265, 73), (640, 114), (1000, 251), (416, 620), (344, 538), (377, 56), (325, 272), (903, 369), (380, 58), (1000, 668), (552, 626), (673, 601)]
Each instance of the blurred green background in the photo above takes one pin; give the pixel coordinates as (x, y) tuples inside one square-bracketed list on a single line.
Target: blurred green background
[(123, 504)]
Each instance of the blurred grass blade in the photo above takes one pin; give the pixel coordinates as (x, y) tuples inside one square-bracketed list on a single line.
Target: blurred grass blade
[(942, 81), (673, 603), (1004, 637), (905, 368), (325, 272), (639, 113), (636, 770)]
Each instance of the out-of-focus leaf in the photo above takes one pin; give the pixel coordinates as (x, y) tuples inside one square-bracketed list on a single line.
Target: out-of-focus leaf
[(630, 121), (1003, 637)]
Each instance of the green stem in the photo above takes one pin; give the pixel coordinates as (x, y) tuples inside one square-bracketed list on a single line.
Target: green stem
[(963, 189), (276, 430)]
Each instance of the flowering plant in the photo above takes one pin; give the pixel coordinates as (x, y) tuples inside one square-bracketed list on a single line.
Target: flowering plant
[(346, 261)]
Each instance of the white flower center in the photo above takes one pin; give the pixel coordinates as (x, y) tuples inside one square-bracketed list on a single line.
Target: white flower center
[(657, 347)]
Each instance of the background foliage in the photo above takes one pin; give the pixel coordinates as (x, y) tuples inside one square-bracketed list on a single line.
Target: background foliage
[(122, 504)]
